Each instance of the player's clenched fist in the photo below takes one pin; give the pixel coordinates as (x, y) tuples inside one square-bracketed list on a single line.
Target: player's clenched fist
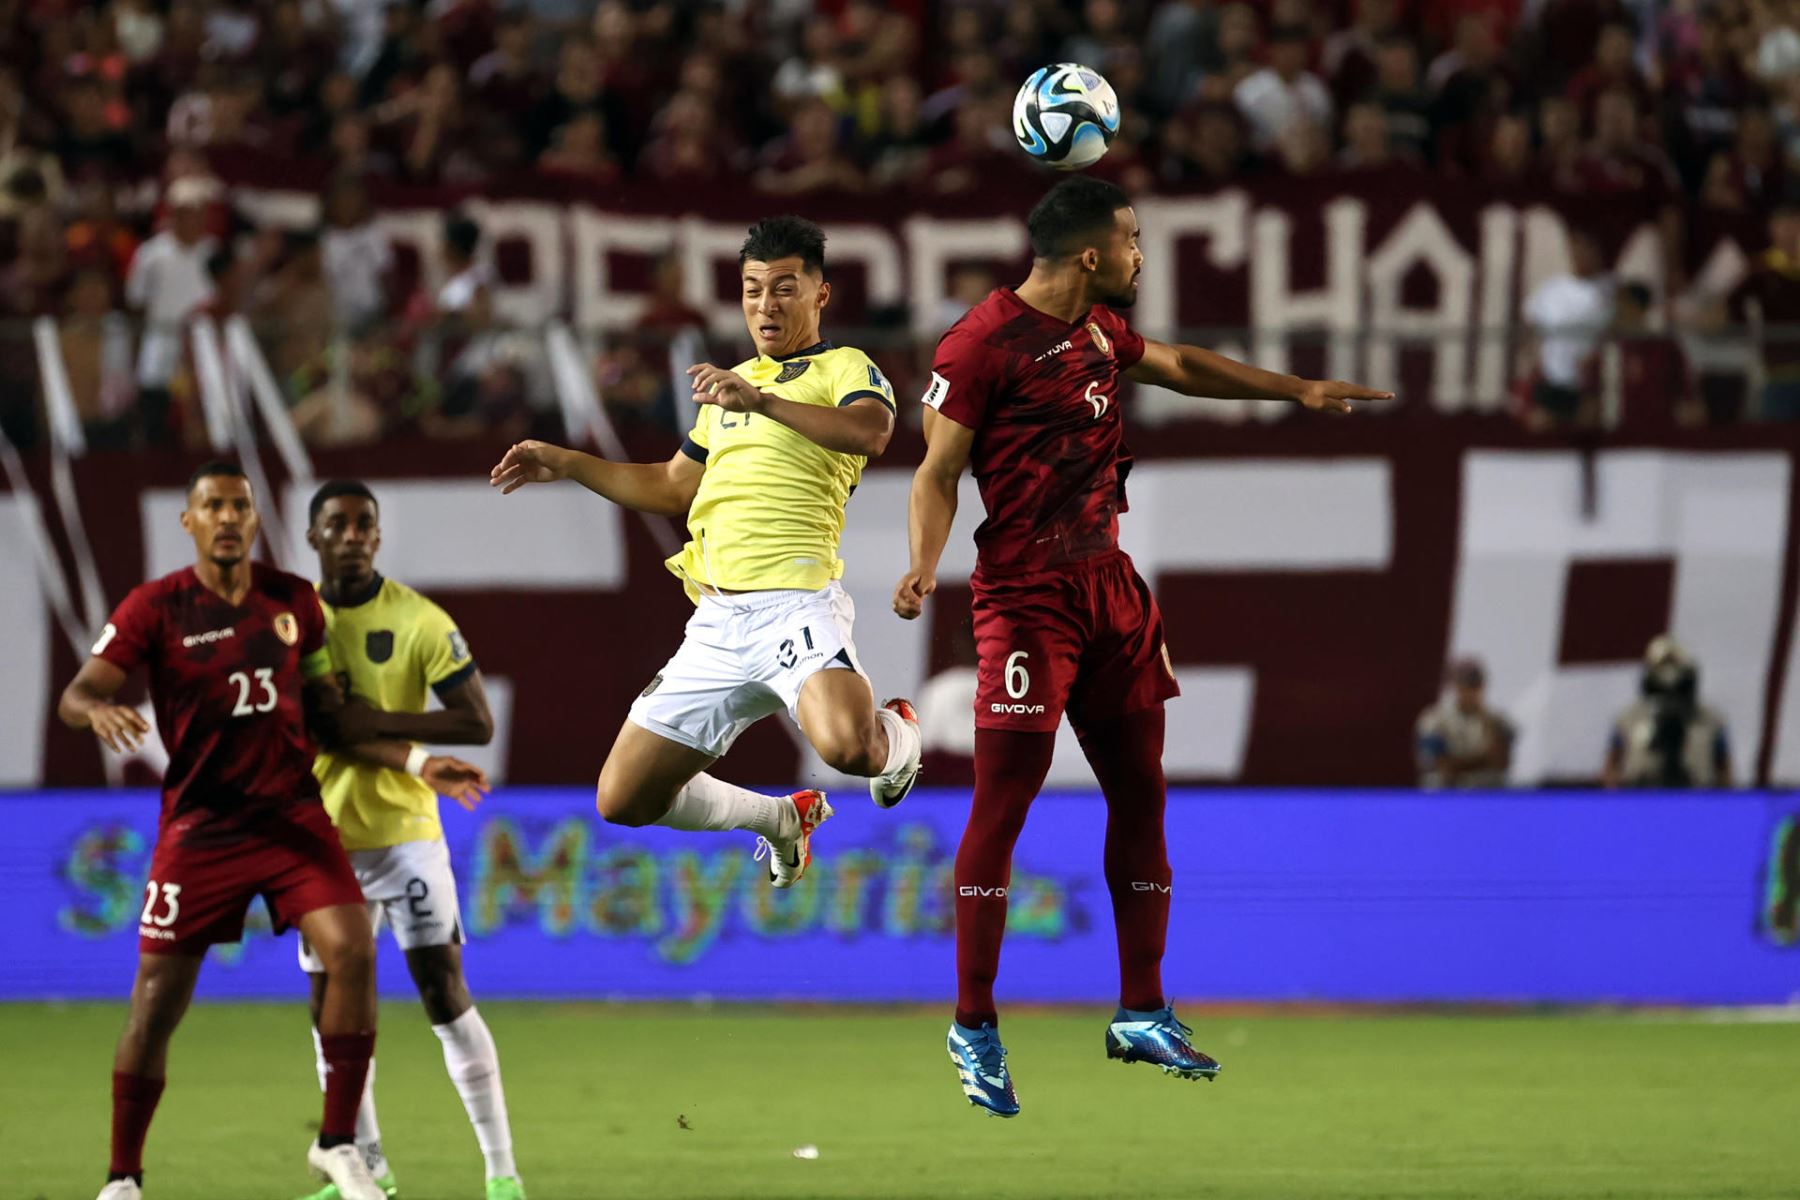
[(463, 782), (529, 462), (121, 728), (910, 593)]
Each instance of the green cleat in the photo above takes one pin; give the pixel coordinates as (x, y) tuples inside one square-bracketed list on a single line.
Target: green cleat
[(389, 1188), (507, 1187)]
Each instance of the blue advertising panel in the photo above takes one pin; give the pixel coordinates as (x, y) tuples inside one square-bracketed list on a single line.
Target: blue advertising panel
[(1373, 896)]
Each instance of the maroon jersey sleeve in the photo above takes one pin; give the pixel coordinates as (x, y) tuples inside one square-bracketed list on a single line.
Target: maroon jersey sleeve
[(964, 378), (128, 636), (1128, 345)]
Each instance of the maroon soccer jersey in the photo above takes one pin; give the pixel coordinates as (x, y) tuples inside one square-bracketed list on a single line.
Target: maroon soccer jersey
[(225, 681), (1049, 454)]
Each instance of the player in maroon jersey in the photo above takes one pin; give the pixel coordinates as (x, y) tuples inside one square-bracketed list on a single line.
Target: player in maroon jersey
[(238, 669), (1025, 391)]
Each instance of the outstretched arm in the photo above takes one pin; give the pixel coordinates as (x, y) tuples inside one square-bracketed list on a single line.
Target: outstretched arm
[(931, 508), (666, 488), (1194, 371), (861, 427)]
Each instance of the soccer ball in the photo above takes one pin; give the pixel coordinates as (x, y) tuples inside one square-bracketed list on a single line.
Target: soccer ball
[(1065, 116)]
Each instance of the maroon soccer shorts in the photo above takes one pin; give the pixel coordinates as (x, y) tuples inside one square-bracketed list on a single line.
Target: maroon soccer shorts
[(197, 896), (1086, 637)]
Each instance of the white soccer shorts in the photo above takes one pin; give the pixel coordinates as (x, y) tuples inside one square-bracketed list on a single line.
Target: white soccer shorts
[(745, 656), (409, 887)]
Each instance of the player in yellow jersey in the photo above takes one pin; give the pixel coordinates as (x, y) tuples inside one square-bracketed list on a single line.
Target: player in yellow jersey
[(779, 443), (391, 647)]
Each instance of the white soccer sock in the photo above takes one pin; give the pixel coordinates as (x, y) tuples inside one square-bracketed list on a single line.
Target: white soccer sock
[(474, 1067), (902, 738), (368, 1129), (712, 804)]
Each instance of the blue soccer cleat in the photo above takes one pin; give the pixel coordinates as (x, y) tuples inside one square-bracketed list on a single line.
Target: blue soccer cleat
[(1158, 1038), (981, 1067)]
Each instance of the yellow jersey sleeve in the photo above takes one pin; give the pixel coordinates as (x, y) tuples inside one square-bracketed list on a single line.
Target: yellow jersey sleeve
[(443, 654), (854, 376), (698, 443)]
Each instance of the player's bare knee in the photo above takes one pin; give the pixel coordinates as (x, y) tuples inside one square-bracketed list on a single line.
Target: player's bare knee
[(348, 958), (852, 750), (619, 806)]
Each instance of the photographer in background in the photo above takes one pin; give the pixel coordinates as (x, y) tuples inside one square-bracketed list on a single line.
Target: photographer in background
[(1667, 738), (1462, 743)]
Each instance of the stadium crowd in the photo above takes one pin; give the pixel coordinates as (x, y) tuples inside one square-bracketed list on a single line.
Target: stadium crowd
[(116, 116)]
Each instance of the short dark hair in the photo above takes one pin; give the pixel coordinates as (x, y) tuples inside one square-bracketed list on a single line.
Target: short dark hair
[(777, 237), (337, 487), (1072, 210), (207, 470)]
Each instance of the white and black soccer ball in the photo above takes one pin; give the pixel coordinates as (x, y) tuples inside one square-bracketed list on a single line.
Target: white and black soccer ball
[(1066, 116)]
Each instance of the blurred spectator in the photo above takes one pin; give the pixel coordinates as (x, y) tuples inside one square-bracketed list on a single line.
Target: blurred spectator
[(1643, 378), (577, 89), (1667, 738), (1568, 315), (1611, 71), (1098, 36), (1366, 144), (358, 259), (1402, 97), (92, 143), (1283, 93), (811, 157), (1461, 742), (686, 146), (813, 72), (1303, 149), (97, 237), (168, 279), (1705, 90), (1205, 146), (578, 152), (1559, 136), (505, 80), (29, 281), (1508, 161), (1618, 161), (1769, 301), (1240, 40), (972, 158), (1472, 91), (667, 312), (1756, 159), (95, 341), (1182, 44), (293, 308), (1351, 56), (899, 152)]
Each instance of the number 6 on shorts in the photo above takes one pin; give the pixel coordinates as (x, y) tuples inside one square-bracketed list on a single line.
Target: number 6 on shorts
[(1018, 679)]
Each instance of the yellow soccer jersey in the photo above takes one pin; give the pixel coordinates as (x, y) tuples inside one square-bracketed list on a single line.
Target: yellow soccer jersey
[(770, 509), (388, 650)]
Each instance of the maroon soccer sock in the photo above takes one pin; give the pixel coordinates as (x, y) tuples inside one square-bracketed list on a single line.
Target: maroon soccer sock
[(347, 1058), (134, 1103), (1127, 759), (1009, 769)]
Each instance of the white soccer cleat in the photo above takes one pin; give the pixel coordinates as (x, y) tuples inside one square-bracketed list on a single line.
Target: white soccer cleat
[(121, 1189), (788, 859), (345, 1167), (889, 790)]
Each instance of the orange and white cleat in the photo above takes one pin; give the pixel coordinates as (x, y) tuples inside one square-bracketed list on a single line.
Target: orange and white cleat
[(788, 859), (889, 790)]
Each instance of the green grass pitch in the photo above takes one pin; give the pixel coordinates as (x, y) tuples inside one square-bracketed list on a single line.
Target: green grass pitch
[(671, 1103)]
